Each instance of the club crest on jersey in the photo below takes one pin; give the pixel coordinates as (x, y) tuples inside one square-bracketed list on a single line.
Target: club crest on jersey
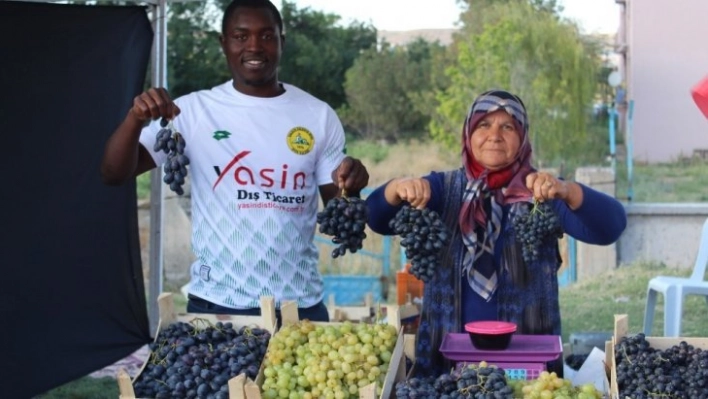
[(300, 140)]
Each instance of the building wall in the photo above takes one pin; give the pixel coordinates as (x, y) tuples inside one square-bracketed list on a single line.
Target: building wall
[(666, 56)]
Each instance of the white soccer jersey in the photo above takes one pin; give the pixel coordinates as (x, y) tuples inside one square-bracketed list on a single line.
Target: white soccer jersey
[(255, 167)]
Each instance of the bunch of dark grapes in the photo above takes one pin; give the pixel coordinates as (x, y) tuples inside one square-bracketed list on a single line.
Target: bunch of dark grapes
[(421, 388), (644, 372), (172, 143), (423, 234), (344, 218), (476, 382), (190, 362), (575, 362), (534, 227)]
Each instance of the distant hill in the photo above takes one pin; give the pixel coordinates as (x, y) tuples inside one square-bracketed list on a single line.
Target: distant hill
[(401, 38)]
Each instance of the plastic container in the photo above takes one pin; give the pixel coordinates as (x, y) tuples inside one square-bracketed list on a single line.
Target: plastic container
[(583, 343), (516, 371), (350, 290), (408, 288), (490, 335)]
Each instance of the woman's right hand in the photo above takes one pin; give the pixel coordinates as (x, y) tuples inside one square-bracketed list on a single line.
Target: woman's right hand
[(153, 104), (415, 191)]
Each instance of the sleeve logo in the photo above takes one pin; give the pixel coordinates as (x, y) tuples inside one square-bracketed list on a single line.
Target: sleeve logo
[(221, 135), (300, 140)]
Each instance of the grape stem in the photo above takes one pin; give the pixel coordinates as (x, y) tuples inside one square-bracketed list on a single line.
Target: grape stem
[(201, 323), (536, 207), (626, 357), (659, 395)]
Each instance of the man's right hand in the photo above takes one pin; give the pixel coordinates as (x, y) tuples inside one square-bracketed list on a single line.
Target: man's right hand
[(153, 104), (124, 157)]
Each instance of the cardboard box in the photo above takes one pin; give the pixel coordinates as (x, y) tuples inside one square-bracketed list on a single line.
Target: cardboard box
[(168, 316)]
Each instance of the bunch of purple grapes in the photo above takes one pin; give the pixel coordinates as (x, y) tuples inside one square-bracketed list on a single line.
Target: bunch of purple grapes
[(344, 218), (172, 143), (534, 227), (423, 234), (465, 382)]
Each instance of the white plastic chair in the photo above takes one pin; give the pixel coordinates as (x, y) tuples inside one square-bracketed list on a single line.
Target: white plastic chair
[(675, 289)]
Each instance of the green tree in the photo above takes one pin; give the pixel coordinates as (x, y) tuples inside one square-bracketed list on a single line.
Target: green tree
[(533, 53), (318, 51), (383, 89), (194, 57), (316, 54)]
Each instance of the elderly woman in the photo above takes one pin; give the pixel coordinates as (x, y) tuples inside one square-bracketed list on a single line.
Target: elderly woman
[(482, 274)]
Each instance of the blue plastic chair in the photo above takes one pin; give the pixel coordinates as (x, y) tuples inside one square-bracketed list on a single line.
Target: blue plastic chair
[(675, 289)]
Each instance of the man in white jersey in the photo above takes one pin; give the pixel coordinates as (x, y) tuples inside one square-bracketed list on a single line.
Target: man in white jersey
[(260, 151)]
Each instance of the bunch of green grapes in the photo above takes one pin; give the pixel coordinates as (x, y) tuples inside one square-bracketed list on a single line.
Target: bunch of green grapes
[(550, 386), (307, 360)]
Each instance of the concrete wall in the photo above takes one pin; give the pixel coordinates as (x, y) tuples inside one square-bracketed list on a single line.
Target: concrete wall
[(665, 57), (667, 233), (594, 259)]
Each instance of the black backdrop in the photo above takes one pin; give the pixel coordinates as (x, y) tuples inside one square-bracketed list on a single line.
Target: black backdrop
[(72, 297)]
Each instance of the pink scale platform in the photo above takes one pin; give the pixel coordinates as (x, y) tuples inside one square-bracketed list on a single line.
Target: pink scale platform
[(521, 349), (524, 359)]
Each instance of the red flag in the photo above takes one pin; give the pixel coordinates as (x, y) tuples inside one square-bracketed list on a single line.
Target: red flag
[(700, 95)]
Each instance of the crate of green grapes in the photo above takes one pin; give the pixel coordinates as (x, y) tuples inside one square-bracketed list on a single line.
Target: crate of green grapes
[(330, 360)]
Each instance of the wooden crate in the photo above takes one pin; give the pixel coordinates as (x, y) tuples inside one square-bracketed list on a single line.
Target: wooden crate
[(168, 316), (370, 311), (621, 330), (396, 368)]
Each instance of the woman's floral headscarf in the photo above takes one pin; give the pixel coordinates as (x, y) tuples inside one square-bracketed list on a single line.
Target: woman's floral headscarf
[(503, 187)]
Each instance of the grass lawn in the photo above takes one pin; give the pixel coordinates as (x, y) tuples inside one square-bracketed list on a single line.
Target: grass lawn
[(85, 388), (590, 305), (685, 181)]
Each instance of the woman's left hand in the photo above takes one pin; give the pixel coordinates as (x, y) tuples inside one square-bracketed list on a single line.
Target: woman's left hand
[(545, 187)]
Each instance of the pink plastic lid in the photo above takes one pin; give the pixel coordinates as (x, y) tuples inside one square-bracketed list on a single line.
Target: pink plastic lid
[(490, 327)]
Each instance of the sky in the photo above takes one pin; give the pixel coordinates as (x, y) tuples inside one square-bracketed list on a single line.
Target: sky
[(593, 16)]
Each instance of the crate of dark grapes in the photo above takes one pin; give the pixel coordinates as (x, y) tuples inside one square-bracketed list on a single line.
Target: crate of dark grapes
[(201, 355), (656, 367), (338, 359)]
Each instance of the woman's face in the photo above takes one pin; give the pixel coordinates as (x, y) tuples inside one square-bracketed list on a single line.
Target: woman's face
[(495, 141)]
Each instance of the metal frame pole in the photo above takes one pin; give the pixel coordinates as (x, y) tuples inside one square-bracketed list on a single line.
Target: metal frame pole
[(611, 115), (630, 151), (156, 259)]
